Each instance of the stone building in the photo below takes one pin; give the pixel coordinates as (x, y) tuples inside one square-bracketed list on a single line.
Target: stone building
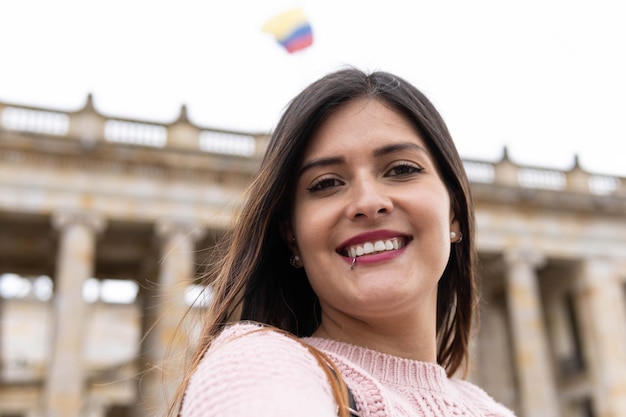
[(105, 224)]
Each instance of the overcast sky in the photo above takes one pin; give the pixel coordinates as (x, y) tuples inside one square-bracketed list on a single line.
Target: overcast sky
[(545, 78)]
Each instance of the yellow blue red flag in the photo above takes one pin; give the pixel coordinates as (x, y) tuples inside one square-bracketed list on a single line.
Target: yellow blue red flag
[(291, 29)]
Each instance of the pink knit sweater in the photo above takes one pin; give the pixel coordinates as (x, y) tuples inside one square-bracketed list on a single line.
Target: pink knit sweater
[(268, 374)]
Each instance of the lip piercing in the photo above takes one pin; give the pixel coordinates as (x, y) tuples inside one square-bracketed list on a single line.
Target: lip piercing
[(353, 263)]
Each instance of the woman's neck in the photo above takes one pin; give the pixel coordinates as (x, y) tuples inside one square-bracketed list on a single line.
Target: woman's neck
[(411, 339)]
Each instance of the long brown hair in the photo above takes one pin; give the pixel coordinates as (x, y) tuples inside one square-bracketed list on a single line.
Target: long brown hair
[(254, 280)]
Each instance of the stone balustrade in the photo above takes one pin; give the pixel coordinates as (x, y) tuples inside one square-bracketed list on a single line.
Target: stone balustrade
[(88, 126)]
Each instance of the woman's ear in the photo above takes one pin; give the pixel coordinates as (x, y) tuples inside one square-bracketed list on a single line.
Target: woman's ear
[(455, 229), (286, 232)]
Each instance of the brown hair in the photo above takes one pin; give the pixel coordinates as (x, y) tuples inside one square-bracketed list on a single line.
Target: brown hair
[(254, 280)]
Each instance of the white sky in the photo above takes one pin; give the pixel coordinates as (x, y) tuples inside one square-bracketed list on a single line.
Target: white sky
[(544, 77)]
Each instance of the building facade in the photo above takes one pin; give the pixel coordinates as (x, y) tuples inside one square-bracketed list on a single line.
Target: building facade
[(106, 224)]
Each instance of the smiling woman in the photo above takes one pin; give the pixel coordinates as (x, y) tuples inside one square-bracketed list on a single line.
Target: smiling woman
[(352, 264)]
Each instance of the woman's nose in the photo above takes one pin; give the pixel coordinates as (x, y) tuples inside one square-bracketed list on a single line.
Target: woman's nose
[(368, 199)]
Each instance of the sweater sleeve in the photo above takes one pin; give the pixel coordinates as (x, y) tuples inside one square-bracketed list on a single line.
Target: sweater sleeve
[(260, 373)]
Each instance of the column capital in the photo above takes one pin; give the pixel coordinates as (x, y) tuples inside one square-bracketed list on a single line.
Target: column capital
[(94, 221), (601, 259), (165, 228), (525, 256), (597, 271)]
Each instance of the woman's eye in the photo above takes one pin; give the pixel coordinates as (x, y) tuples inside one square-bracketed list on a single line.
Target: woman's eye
[(403, 170), (324, 184)]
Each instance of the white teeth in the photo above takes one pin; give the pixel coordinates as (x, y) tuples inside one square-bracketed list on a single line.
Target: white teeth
[(373, 247)]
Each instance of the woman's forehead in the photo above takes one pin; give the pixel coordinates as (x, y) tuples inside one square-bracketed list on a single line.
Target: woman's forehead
[(359, 123)]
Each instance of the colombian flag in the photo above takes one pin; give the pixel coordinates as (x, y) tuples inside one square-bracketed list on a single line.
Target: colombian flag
[(291, 29)]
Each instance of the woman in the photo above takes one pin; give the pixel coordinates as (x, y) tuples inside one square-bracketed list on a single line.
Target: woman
[(352, 260)]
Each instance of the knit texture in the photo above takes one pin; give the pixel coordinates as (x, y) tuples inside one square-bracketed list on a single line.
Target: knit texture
[(265, 373)]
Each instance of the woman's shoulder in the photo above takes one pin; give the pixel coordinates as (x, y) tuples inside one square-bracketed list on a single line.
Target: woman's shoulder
[(239, 330), (258, 341), (250, 369), (479, 398)]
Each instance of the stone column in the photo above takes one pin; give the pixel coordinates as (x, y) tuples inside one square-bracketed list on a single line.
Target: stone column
[(167, 345), (560, 332), (537, 389), (601, 307), (64, 386), (494, 358)]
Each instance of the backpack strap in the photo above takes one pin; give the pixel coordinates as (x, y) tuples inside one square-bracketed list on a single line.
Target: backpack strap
[(353, 411), (351, 404)]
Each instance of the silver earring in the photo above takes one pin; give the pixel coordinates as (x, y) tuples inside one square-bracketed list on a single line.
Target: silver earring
[(295, 261), (453, 236)]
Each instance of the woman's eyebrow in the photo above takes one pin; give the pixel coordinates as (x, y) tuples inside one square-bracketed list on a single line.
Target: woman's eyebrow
[(397, 147), (385, 150), (322, 162)]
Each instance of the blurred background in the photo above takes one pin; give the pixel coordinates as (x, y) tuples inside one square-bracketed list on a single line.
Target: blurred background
[(130, 129)]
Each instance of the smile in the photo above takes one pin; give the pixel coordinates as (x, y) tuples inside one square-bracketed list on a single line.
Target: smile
[(378, 246)]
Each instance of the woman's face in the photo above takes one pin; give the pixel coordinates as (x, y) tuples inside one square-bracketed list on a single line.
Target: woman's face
[(368, 189)]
